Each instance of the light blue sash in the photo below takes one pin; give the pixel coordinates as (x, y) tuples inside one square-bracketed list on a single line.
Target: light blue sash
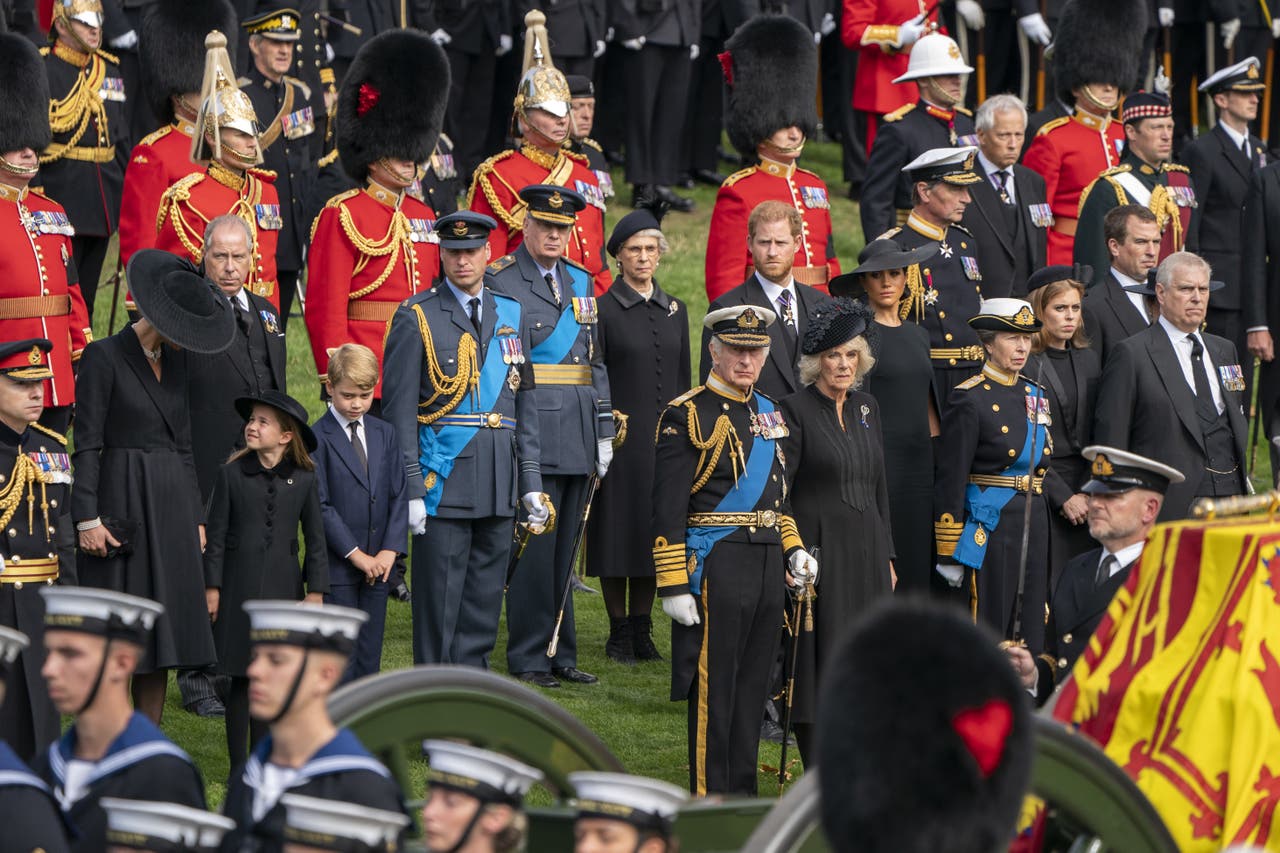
[(555, 348)]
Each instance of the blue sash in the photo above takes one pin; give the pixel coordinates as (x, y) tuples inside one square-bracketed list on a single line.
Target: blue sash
[(743, 497), (556, 347), (437, 449), (983, 505)]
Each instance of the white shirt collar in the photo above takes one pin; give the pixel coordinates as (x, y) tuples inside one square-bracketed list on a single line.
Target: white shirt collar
[(772, 290), (991, 169), (1124, 280), (1176, 335), (241, 298), (1125, 556), (1237, 138), (344, 421)]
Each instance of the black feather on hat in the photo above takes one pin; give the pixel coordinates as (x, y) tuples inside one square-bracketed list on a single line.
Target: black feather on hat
[(924, 735), (771, 68), (171, 48), (392, 101), (24, 109), (1098, 41)]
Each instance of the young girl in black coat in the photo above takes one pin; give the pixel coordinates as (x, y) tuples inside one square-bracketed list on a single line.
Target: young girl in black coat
[(261, 496)]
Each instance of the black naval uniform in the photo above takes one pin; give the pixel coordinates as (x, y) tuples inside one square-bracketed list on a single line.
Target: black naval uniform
[(292, 145), (1260, 283), (709, 445), (980, 508), (952, 292), (341, 770), (40, 548), (33, 821), (596, 162), (903, 135), (83, 169), (140, 764)]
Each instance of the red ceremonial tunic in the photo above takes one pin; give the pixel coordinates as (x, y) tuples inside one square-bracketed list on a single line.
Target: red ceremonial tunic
[(499, 181), (187, 206), (36, 299), (871, 28), (1069, 153), (371, 249), (158, 162), (728, 261)]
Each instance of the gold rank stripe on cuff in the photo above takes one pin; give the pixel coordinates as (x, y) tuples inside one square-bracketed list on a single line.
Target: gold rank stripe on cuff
[(669, 563), (946, 532), (790, 533)]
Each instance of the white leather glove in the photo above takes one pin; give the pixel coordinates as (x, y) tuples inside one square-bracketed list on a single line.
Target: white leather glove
[(828, 25), (694, 51), (1229, 30), (909, 32), (417, 516), (1165, 16), (608, 34), (633, 44), (803, 567), (682, 609), (126, 41), (952, 573), (505, 43), (538, 512), (441, 38), (604, 455), (599, 51), (1275, 27), (1035, 29), (971, 12)]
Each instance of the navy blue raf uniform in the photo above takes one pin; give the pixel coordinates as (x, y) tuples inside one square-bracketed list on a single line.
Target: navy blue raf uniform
[(575, 418), (1087, 584), (458, 389), (37, 548), (150, 826), (341, 769), (140, 763), (723, 545), (292, 140), (947, 290), (994, 457), (32, 818)]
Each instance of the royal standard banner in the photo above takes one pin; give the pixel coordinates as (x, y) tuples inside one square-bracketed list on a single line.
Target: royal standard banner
[(1180, 684)]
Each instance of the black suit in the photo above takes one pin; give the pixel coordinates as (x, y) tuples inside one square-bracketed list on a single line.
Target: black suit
[(781, 373), (1075, 610), (573, 28), (1010, 244), (1109, 315), (1146, 406), (1220, 174), (1260, 280)]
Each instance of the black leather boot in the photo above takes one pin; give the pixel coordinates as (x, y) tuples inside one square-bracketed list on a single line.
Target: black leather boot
[(642, 638), (619, 645)]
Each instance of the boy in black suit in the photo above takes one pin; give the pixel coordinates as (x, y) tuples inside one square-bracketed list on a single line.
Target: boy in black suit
[(362, 497)]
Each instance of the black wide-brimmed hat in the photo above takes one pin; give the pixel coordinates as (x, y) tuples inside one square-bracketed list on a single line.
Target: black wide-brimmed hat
[(1148, 286), (185, 308), (877, 256), (282, 402), (836, 321)]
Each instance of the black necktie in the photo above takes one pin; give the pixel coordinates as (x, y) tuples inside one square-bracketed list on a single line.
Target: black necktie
[(358, 446), (1205, 407), (473, 304), (1105, 568), (1003, 177), (555, 288), (242, 317)]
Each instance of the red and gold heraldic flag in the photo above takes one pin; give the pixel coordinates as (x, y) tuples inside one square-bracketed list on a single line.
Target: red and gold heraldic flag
[(1180, 684)]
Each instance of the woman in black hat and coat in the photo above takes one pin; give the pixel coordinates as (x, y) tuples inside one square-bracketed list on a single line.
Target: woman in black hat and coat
[(136, 503), (644, 334), (902, 383), (264, 492), (839, 492)]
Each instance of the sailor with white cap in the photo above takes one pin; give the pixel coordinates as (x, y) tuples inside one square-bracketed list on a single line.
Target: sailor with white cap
[(299, 654), (32, 818), (619, 813), (93, 641), (312, 823), (474, 798), (142, 825)]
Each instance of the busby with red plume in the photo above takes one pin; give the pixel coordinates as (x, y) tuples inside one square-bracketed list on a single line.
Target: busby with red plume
[(24, 109), (392, 101), (171, 48), (770, 66), (924, 736)]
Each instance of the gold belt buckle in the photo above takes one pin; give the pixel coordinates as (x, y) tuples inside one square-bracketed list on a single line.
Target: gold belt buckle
[(1020, 482), (493, 420), (768, 518)]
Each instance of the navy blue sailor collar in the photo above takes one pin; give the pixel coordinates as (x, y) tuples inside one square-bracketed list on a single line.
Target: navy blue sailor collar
[(343, 753), (140, 740)]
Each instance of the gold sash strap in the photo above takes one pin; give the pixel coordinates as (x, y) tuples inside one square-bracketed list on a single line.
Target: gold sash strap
[(1017, 483), (762, 518), (969, 353), (18, 571)]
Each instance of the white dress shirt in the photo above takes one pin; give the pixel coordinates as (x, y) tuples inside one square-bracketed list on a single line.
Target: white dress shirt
[(1237, 138), (1124, 556), (1183, 347), (991, 169), (1137, 299), (773, 291)]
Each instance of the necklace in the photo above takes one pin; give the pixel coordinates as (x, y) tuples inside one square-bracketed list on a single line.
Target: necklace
[(153, 355)]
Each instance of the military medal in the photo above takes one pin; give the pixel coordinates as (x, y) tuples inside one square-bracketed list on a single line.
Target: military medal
[(298, 124), (970, 268), (421, 231), (815, 198), (930, 296), (269, 324), (584, 309), (1183, 196), (1041, 215), (769, 425), (513, 378), (944, 249), (606, 182), (512, 351), (590, 192), (50, 222), (442, 165), (269, 216), (112, 89), (1232, 377), (53, 467), (1038, 409), (979, 536)]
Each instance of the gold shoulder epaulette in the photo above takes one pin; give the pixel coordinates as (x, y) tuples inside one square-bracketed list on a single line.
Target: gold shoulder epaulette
[(1176, 167), (575, 157), (963, 111), (182, 187), (56, 436), (1053, 124), (109, 57), (243, 81), (591, 143), (338, 199), (264, 175), (44, 51), (892, 232), (328, 159), (1115, 170), (501, 263), (739, 175), (487, 165), (302, 87), (156, 135), (687, 395), (971, 382), (897, 114)]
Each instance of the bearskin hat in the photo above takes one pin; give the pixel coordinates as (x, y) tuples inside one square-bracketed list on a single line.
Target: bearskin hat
[(171, 48), (24, 109), (924, 736), (771, 69), (392, 101), (1098, 41)]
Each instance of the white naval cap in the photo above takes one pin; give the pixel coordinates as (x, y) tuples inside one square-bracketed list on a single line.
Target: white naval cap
[(104, 612), (12, 642), (488, 776), (645, 803), (326, 627), (141, 825), (334, 825), (1244, 76), (950, 165)]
